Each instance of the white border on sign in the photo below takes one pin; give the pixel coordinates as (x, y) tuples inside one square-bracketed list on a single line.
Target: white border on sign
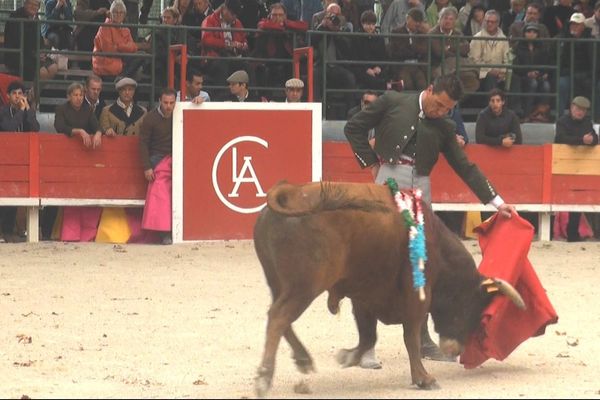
[(177, 199)]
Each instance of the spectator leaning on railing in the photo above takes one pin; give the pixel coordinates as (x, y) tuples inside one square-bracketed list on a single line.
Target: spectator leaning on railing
[(72, 119), (497, 125), (370, 50), (395, 17)]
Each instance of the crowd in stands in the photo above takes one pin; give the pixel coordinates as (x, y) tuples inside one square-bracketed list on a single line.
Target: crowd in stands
[(494, 43)]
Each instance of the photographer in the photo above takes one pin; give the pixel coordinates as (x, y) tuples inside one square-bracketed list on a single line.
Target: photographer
[(337, 48), (18, 115)]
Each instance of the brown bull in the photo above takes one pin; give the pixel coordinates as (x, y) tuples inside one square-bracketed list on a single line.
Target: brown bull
[(350, 240)]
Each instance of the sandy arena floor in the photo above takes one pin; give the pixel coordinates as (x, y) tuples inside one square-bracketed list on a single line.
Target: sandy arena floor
[(188, 321)]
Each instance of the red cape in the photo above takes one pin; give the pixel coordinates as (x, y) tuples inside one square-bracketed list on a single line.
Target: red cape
[(504, 244)]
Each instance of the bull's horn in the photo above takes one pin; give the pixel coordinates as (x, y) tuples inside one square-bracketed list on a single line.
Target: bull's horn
[(500, 285), (509, 291)]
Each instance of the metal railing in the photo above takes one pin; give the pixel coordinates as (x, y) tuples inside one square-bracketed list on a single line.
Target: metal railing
[(310, 37)]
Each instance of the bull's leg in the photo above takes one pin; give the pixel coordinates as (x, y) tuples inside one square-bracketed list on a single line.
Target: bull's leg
[(412, 341), (364, 353), (285, 310), (303, 360)]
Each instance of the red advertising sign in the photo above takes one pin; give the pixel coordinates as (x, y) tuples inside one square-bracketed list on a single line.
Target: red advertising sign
[(231, 155)]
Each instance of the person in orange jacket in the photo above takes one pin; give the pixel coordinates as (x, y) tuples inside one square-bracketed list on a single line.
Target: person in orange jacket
[(115, 39)]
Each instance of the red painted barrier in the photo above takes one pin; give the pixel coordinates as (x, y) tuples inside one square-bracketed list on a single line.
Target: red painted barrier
[(14, 165)]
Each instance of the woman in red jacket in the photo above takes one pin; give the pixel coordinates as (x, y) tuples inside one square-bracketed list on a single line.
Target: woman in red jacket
[(115, 39)]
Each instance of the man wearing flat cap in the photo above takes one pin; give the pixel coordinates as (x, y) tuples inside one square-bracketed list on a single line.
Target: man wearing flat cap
[(238, 88), (576, 128), (293, 90), (124, 117)]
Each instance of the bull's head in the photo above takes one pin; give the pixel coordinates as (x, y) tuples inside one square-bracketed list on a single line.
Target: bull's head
[(457, 312)]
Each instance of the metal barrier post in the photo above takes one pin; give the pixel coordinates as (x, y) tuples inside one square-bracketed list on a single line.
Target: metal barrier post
[(298, 54), (174, 49)]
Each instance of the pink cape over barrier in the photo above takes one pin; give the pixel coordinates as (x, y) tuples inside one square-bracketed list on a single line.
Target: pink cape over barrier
[(158, 211)]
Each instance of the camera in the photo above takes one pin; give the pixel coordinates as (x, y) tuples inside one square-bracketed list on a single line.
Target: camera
[(335, 19)]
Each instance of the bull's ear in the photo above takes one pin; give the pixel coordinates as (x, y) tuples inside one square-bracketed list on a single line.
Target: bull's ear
[(493, 285)]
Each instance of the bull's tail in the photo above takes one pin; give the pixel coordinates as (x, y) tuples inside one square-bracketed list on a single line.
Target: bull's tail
[(293, 200)]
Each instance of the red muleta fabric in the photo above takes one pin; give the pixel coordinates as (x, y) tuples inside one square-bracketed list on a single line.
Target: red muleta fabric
[(504, 244)]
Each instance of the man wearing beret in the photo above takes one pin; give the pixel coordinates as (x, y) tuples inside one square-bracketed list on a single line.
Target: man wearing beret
[(238, 88), (124, 117), (576, 128), (293, 90)]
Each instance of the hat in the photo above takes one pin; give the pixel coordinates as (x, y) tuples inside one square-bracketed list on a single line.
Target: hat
[(581, 102), (294, 83), (531, 26), (416, 14), (125, 82), (240, 76), (15, 85), (578, 18)]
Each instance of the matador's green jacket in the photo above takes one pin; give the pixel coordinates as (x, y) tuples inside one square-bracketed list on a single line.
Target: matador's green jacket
[(395, 117)]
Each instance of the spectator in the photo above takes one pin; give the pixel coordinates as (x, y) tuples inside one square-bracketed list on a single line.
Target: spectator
[(451, 47), (581, 69), (317, 18), (433, 11), (410, 49), (294, 89), (514, 14), (223, 44), (83, 35), (91, 99), (59, 36), (497, 125), (556, 18), (395, 17), (16, 116), (31, 38), (531, 52), (194, 16), (271, 42), (302, 10), (252, 11), (492, 50), (156, 136), (350, 12), (194, 83), (72, 119), (576, 128), (370, 50), (238, 88), (163, 38), (594, 21), (335, 47), (584, 7), (115, 39), (368, 97), (474, 22), (463, 14), (533, 14), (124, 117)]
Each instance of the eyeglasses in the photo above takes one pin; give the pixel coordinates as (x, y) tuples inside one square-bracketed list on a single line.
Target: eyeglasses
[(491, 21)]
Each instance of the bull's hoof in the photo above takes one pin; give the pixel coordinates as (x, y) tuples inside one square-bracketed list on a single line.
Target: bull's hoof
[(428, 385), (369, 361), (302, 387), (261, 387), (305, 365), (347, 358), (262, 383), (433, 352)]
